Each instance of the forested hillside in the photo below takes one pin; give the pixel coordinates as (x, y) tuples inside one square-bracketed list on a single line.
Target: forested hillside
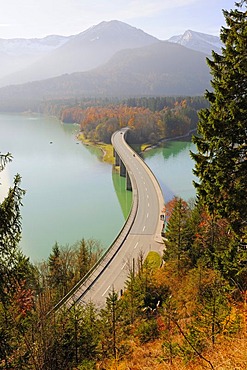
[(159, 69), (150, 119), (183, 313)]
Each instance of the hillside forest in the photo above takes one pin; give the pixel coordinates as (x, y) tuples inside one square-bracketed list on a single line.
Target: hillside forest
[(183, 310), (150, 118)]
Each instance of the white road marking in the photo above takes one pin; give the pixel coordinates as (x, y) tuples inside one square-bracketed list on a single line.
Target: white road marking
[(136, 245), (106, 290), (144, 227), (124, 265), (147, 196), (146, 189), (148, 204), (147, 215)]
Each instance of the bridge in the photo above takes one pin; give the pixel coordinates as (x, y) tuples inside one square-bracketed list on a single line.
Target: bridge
[(140, 234)]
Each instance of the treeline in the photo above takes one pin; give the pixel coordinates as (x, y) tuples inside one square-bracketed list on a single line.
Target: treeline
[(156, 104), (56, 107), (150, 119)]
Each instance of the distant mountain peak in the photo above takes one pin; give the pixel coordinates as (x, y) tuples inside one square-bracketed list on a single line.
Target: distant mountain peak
[(198, 41), (113, 23), (55, 55), (114, 29)]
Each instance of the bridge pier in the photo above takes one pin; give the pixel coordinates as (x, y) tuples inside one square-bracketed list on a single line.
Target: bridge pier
[(128, 182), (123, 172), (122, 169), (117, 158)]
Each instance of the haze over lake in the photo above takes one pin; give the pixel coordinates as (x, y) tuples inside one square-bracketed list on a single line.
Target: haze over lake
[(70, 193)]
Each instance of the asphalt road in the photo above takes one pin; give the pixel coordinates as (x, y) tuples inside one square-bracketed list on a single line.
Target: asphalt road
[(144, 232)]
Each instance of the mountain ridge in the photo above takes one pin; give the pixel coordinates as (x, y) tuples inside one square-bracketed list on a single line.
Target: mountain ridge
[(25, 60), (82, 52), (198, 41), (152, 70), (112, 59)]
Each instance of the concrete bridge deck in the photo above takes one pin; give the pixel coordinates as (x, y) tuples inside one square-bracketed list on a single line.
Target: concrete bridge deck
[(140, 234)]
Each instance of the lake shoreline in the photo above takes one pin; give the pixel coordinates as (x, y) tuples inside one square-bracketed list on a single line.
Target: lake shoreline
[(107, 149)]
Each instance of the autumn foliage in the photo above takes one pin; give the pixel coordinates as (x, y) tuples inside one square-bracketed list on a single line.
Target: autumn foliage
[(149, 119)]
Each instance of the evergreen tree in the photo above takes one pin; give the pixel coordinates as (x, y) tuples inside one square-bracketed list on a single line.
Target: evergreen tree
[(10, 233), (111, 328), (77, 336), (221, 159), (10, 220), (56, 277), (16, 278), (178, 233)]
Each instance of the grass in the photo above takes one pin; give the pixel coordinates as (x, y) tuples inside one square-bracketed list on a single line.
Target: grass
[(106, 149), (154, 260), (145, 146), (229, 355)]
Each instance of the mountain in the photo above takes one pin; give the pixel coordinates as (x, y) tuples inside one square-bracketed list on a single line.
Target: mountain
[(17, 54), (16, 47), (162, 68), (83, 52), (198, 41), (158, 69)]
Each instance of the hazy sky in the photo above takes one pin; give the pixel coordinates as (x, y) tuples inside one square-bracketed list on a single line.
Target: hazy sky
[(160, 18)]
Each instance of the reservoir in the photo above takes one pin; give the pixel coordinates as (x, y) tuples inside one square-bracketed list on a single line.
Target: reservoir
[(70, 193), (173, 168)]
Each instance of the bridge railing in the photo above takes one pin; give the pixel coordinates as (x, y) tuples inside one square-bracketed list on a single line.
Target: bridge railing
[(71, 297)]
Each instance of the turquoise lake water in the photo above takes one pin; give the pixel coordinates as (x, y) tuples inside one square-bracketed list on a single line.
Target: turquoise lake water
[(70, 193)]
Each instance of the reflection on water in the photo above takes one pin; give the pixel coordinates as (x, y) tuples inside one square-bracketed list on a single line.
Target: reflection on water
[(169, 149), (124, 196)]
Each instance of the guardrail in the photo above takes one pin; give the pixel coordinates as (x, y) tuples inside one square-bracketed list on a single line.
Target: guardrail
[(94, 273)]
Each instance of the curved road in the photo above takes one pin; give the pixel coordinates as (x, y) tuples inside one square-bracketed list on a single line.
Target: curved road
[(144, 232)]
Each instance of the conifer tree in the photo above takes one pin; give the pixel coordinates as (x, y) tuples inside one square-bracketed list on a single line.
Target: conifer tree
[(10, 216), (221, 164), (16, 278), (10, 235), (178, 233)]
